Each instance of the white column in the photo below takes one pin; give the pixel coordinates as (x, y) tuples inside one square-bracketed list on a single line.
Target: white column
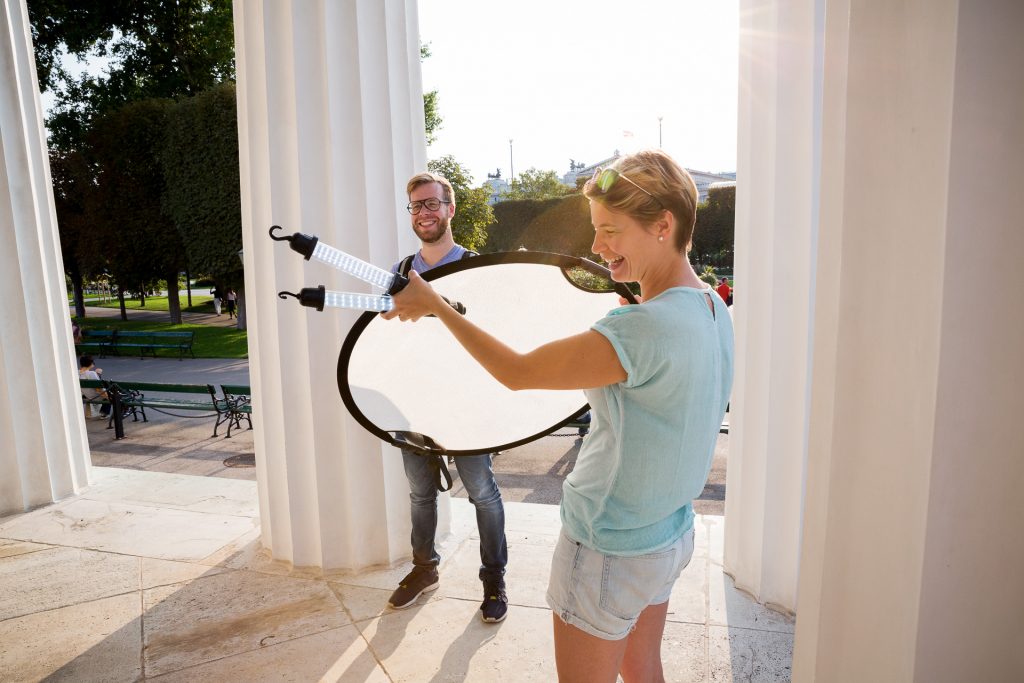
[(776, 224), (912, 544), (44, 454), (331, 127)]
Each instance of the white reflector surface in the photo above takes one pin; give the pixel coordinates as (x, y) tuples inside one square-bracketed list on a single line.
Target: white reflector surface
[(415, 377)]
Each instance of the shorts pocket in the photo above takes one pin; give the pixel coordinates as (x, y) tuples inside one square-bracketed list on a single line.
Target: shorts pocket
[(629, 584)]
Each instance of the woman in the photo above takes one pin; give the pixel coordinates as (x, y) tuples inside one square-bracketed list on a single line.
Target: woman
[(657, 376)]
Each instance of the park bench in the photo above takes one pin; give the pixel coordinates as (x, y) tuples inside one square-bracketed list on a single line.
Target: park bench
[(102, 401), (234, 406), (151, 341), (102, 340), (133, 398)]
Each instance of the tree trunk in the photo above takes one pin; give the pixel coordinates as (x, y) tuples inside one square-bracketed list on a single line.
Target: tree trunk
[(79, 292), (173, 302), (120, 299), (142, 296), (188, 287), (240, 313)]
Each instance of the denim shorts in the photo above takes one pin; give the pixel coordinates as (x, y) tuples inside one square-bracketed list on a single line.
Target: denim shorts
[(604, 595)]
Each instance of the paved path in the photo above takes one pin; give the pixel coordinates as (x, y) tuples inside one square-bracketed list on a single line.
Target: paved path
[(222, 320), (172, 370)]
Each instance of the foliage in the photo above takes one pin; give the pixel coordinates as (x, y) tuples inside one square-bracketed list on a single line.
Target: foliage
[(70, 176), (535, 184), (714, 234), (157, 49), (202, 196), (472, 213), (139, 242), (431, 117), (210, 341), (560, 225), (708, 275)]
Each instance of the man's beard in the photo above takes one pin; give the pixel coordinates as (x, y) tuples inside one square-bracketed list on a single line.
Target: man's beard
[(437, 233)]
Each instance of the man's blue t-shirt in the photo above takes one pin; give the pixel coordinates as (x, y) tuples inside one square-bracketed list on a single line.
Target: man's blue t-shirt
[(653, 435), (421, 266)]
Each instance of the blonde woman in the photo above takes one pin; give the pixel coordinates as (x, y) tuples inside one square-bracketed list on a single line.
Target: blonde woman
[(658, 376)]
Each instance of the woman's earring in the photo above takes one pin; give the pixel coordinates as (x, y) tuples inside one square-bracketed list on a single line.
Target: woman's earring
[(661, 238)]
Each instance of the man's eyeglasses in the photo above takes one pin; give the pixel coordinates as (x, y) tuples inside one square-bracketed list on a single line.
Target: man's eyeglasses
[(432, 204), (604, 178)]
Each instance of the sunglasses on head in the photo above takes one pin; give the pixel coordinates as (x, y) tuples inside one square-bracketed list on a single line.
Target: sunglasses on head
[(604, 178)]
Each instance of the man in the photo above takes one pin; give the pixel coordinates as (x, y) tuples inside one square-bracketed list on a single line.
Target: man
[(725, 291), (432, 206)]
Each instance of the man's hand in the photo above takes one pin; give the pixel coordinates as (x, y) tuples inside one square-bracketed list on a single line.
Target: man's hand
[(416, 300)]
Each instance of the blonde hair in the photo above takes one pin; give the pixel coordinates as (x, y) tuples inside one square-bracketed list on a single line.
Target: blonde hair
[(670, 185), (427, 177)]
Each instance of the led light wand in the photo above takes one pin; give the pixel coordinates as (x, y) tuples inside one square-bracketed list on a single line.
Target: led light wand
[(311, 247), (318, 297)]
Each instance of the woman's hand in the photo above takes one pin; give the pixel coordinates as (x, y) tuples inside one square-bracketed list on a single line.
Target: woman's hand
[(415, 301)]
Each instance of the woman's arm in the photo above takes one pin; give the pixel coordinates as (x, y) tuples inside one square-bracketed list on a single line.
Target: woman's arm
[(582, 361)]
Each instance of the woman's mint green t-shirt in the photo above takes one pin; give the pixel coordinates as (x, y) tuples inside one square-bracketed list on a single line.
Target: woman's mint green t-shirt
[(653, 435)]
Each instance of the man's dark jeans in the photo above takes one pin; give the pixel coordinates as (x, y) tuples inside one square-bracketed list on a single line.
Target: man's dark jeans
[(478, 478)]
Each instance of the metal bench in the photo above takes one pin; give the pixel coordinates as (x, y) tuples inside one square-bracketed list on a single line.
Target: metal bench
[(101, 340), (234, 406), (151, 341)]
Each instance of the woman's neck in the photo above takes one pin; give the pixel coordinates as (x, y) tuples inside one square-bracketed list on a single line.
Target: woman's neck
[(679, 273)]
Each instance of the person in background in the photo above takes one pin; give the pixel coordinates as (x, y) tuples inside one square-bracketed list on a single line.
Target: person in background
[(431, 208), (230, 297), (76, 332), (725, 291), (87, 370), (217, 297), (657, 376)]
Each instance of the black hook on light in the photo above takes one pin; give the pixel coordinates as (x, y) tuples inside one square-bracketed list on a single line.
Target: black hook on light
[(304, 244), (313, 297)]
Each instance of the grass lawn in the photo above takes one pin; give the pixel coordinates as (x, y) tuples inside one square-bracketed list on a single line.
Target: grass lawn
[(210, 341), (201, 303)]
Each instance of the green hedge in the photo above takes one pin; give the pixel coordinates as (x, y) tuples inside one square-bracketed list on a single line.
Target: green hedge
[(560, 225)]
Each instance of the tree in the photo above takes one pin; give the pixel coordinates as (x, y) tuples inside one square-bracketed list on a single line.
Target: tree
[(431, 117), (139, 242), (203, 198), (535, 184), (715, 231), (71, 180), (472, 213), (157, 49)]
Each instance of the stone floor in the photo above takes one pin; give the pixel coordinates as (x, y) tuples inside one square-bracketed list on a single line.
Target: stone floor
[(160, 576)]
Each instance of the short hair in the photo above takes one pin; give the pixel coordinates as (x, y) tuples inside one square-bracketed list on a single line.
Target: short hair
[(670, 185), (85, 361), (427, 177)]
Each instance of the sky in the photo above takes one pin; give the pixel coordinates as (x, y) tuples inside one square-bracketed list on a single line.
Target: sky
[(565, 79), (579, 80)]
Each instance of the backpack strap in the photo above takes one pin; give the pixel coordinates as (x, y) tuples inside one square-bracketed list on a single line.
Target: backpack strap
[(441, 474), (405, 265)]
